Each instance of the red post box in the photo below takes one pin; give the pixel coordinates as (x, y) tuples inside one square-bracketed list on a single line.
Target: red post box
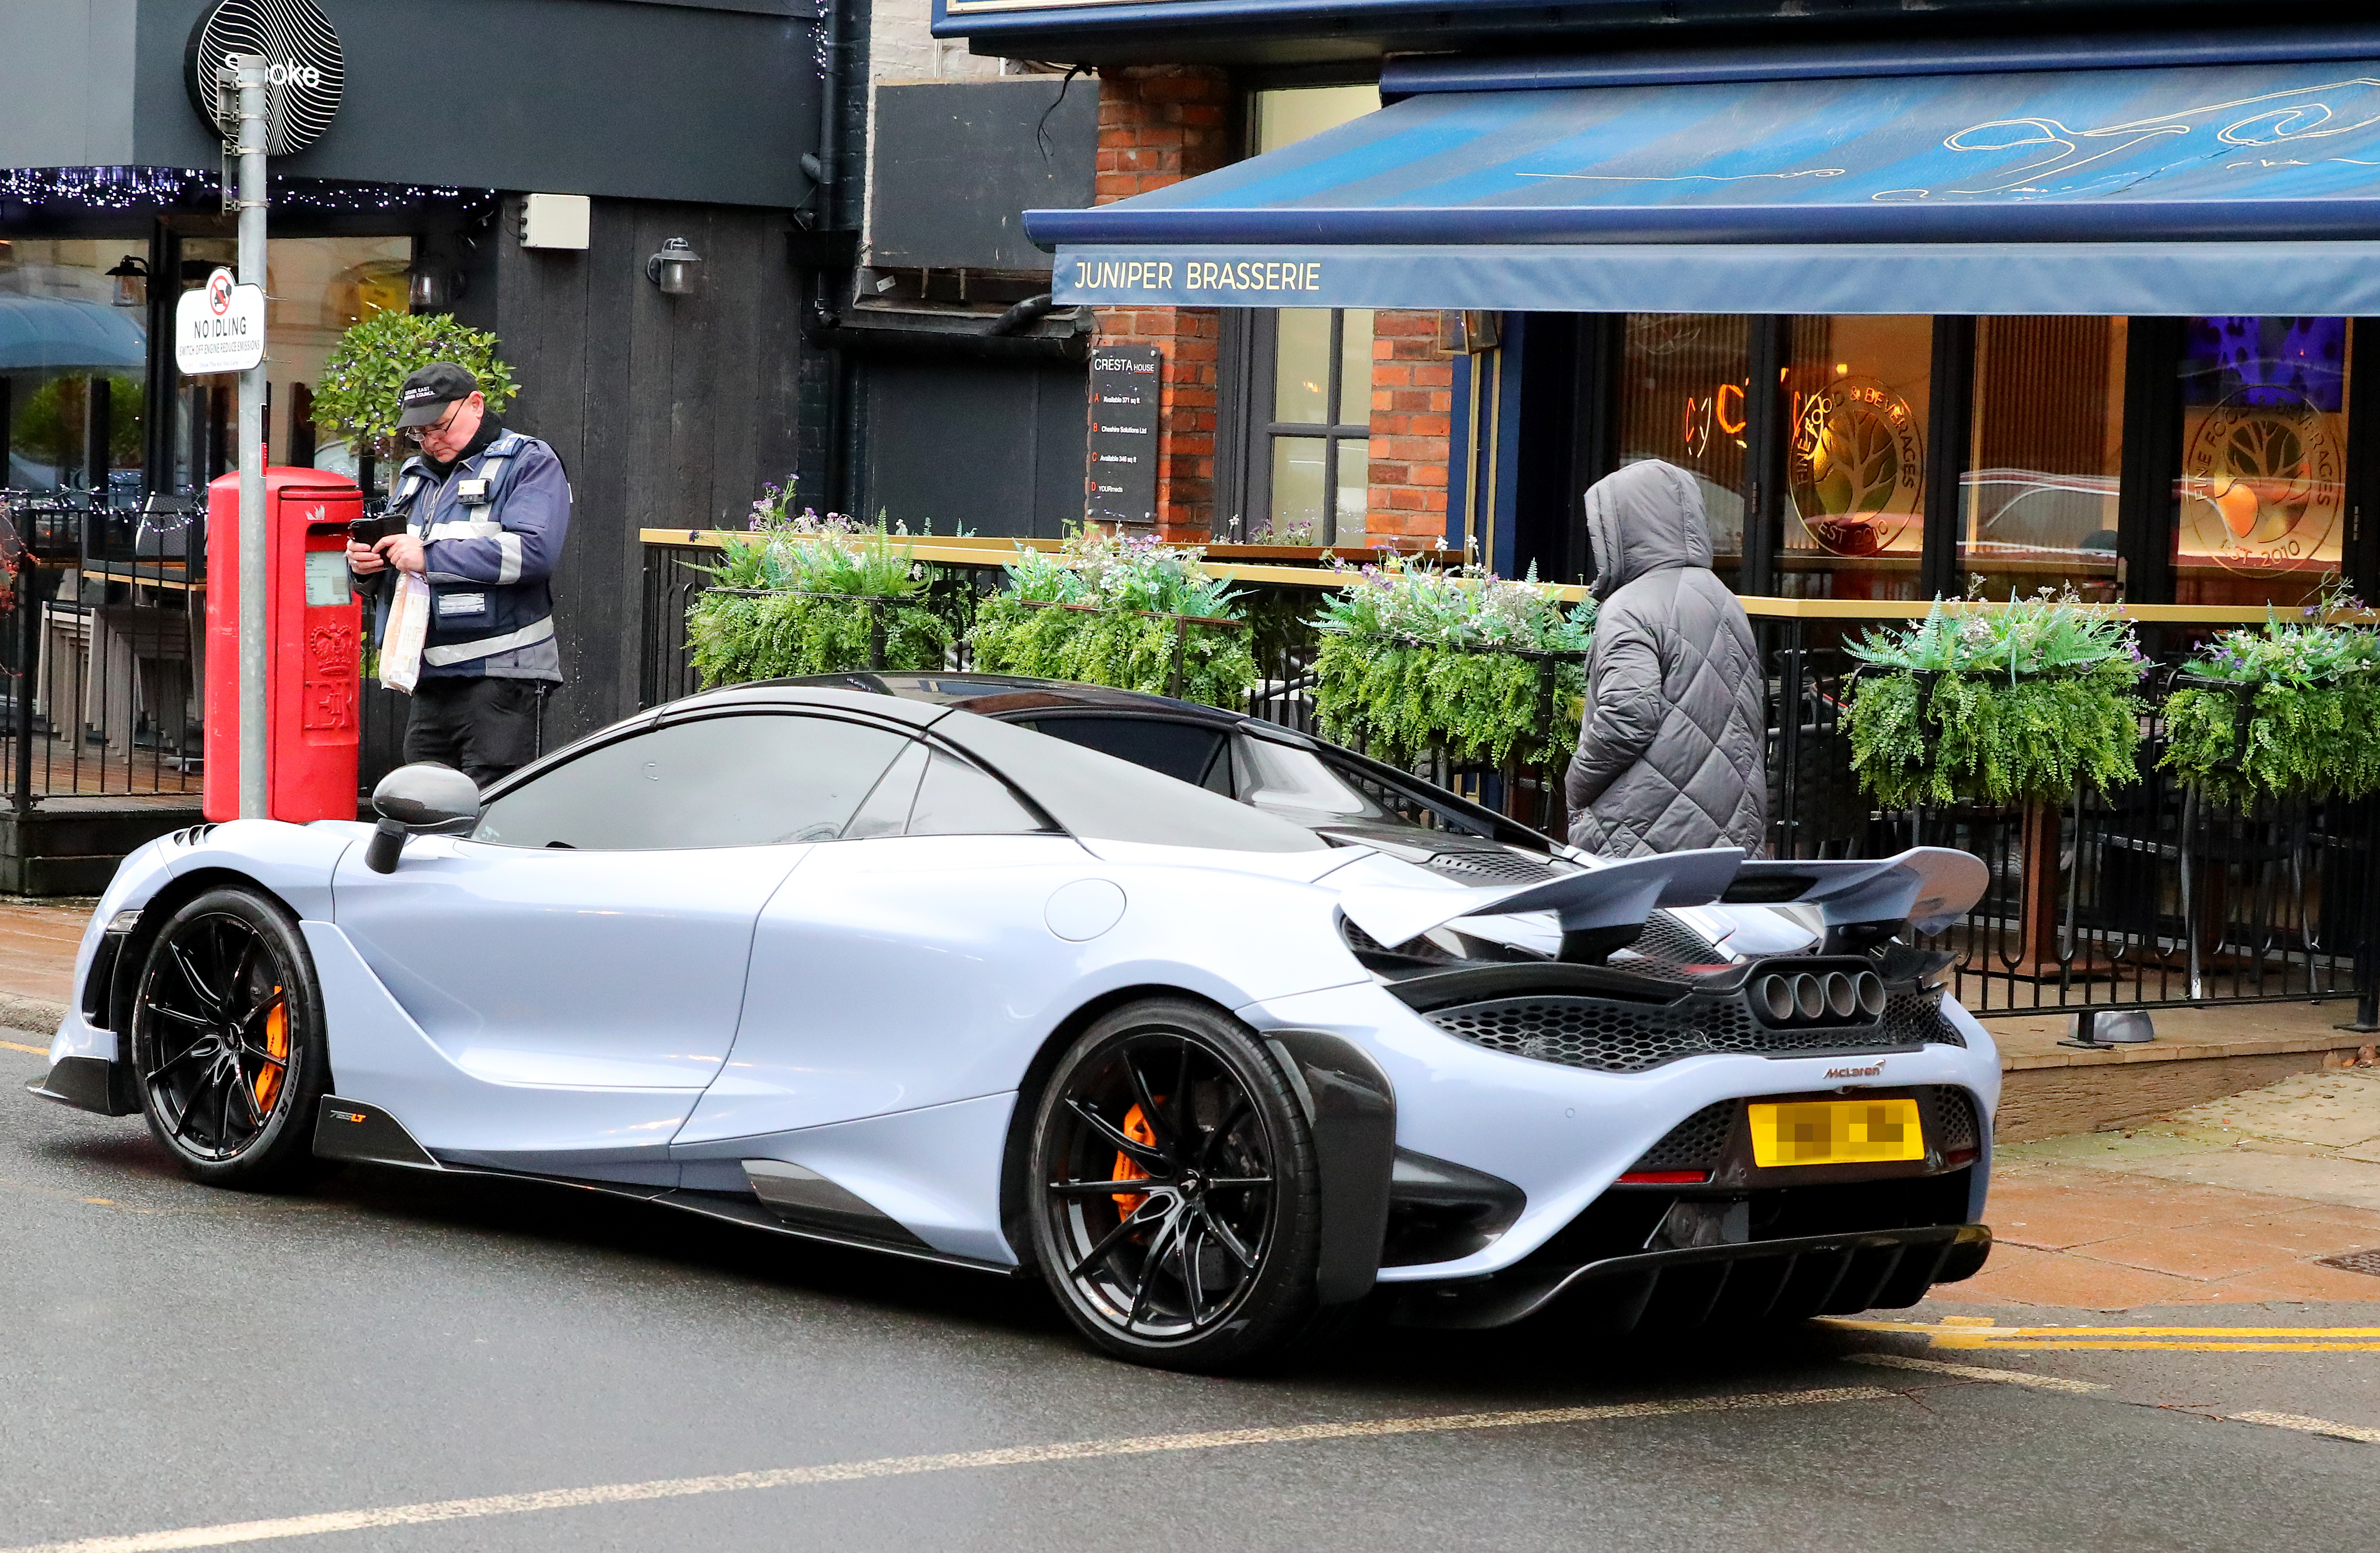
[(312, 624)]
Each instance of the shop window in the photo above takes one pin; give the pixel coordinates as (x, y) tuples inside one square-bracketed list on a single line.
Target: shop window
[(2262, 498), (1317, 433), (2038, 503), (316, 287), (1684, 379), (1298, 381), (1856, 394), (73, 356)]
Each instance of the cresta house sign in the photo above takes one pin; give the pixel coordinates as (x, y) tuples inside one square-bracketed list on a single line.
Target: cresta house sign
[(304, 76), (1124, 433)]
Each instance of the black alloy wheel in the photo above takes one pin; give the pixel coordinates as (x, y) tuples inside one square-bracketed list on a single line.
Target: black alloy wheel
[(227, 1042), (1176, 1216)]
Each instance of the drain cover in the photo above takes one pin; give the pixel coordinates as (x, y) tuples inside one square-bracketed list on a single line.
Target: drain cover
[(2356, 1261)]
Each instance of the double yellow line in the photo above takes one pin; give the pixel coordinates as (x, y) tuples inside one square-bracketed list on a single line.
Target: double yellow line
[(1971, 1333)]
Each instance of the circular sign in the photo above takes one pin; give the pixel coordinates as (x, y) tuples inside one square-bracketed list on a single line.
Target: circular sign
[(304, 70), (1857, 466), (219, 286), (2267, 468)]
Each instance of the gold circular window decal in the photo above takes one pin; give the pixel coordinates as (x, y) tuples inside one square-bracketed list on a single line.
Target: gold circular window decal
[(1857, 466), (2262, 483)]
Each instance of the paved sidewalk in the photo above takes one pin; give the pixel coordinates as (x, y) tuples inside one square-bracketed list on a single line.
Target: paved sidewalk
[(2238, 1199), (37, 951)]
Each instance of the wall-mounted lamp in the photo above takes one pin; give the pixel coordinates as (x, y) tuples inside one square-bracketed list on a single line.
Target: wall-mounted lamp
[(677, 269), (430, 289), (131, 278)]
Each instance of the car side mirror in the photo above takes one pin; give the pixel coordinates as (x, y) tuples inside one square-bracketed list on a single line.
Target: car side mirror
[(412, 799)]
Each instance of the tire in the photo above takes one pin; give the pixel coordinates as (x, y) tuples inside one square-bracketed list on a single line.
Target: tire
[(228, 1053), (1210, 1267)]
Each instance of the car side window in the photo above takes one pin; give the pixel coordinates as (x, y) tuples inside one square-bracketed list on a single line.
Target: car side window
[(958, 799), (1184, 751), (746, 780)]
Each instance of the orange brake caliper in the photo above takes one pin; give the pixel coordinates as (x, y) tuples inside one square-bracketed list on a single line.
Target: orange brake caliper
[(276, 1046), (1136, 1128)]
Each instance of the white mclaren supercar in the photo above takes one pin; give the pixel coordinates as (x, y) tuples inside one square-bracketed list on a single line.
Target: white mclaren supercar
[(1217, 1028)]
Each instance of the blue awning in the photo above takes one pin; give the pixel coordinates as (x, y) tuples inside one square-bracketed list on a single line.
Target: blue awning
[(2245, 189), (49, 332)]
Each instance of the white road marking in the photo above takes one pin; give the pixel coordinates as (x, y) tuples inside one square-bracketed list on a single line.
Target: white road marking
[(2311, 1426), (1975, 1372), (903, 1467)]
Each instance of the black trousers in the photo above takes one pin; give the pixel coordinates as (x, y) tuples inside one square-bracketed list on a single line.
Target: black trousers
[(484, 727)]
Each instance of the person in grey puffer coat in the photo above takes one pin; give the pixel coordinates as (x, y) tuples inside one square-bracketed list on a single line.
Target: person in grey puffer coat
[(1672, 753)]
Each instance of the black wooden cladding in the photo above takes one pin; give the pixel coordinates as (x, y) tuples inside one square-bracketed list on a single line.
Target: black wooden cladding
[(988, 448), (668, 412)]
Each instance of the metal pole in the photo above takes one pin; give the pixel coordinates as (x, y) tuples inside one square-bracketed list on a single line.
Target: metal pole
[(255, 743)]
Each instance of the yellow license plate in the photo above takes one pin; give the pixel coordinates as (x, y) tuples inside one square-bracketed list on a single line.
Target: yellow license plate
[(1836, 1133)]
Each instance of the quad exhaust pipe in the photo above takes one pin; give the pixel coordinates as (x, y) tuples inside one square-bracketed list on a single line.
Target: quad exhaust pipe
[(1818, 997)]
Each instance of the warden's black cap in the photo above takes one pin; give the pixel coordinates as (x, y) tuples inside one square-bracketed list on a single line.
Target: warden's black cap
[(428, 392)]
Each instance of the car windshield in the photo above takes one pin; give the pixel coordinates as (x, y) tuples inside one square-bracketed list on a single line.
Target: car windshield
[(1279, 776)]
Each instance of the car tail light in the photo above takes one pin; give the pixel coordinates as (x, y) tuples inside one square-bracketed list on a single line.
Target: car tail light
[(1665, 1178)]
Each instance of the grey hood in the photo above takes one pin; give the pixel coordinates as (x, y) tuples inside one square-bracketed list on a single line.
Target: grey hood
[(1672, 755), (1642, 518)]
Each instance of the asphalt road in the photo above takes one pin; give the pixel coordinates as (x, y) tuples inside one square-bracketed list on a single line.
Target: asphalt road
[(175, 1358)]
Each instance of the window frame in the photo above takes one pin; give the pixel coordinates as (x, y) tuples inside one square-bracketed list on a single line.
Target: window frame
[(1250, 355)]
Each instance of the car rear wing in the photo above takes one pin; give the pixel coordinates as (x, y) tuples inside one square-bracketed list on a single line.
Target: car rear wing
[(1614, 895), (1929, 886)]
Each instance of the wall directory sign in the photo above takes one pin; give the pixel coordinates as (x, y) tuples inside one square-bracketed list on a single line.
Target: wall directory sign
[(219, 327), (1125, 388)]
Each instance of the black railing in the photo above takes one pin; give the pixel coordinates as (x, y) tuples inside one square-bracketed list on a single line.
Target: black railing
[(2144, 896), (104, 652)]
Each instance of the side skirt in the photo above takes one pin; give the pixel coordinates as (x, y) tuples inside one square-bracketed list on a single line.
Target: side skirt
[(360, 1132)]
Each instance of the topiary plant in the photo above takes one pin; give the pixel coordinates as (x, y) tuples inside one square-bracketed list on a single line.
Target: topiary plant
[(1415, 659), (356, 396), (1119, 611), (2024, 704), (2289, 711), (810, 597)]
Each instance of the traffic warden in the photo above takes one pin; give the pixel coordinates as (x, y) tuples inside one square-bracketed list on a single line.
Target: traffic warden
[(485, 510)]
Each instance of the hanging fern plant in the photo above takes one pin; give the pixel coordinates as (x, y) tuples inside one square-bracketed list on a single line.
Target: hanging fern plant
[(2287, 711), (1128, 612), (2028, 704), (1415, 659), (810, 596)]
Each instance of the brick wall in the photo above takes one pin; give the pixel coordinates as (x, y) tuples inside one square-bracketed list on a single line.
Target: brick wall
[(1160, 124), (1413, 421)]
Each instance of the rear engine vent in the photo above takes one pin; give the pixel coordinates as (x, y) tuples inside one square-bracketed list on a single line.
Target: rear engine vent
[(1632, 1038), (1915, 1019), (191, 835), (1695, 1144), (1956, 1130), (1489, 864), (1671, 942)]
